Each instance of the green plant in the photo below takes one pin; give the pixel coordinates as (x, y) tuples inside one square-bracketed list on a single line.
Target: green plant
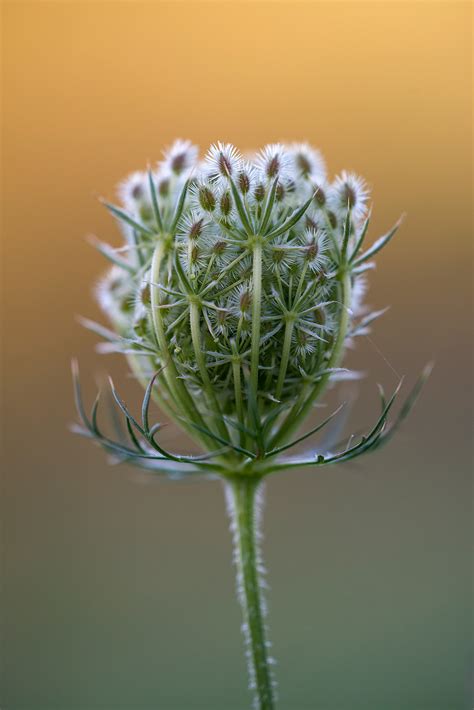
[(236, 292)]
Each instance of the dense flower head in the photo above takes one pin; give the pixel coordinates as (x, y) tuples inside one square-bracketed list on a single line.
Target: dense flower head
[(241, 280), (240, 284)]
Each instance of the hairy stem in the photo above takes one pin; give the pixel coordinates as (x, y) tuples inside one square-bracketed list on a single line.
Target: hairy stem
[(176, 387), (243, 505)]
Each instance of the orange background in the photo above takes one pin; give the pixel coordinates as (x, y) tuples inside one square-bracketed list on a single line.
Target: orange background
[(120, 595)]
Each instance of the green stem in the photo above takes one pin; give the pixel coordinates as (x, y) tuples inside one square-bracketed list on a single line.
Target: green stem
[(169, 369), (176, 387), (256, 314), (238, 396), (195, 323), (298, 413), (285, 356), (243, 506), (300, 284)]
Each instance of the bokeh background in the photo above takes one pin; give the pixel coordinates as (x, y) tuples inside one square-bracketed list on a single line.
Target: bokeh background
[(118, 591)]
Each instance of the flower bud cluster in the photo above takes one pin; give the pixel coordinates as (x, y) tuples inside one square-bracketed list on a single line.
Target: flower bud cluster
[(239, 286), (240, 277)]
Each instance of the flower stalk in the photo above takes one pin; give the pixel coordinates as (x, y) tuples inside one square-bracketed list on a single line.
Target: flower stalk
[(244, 494)]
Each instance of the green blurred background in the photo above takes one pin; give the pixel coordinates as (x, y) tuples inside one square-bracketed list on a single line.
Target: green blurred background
[(118, 591)]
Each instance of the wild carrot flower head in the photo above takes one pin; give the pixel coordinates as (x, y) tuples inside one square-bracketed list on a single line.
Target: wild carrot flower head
[(239, 286), (241, 283)]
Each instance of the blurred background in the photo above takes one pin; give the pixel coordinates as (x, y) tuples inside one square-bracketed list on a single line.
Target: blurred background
[(118, 591)]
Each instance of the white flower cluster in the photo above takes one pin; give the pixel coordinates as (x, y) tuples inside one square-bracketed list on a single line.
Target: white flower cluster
[(240, 276), (238, 288)]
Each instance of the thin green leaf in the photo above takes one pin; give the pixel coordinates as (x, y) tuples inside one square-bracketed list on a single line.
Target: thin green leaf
[(409, 403), (378, 245), (133, 436), (99, 329), (365, 322), (109, 253), (294, 217), (244, 217), (179, 208), (185, 282), (307, 435), (146, 402), (346, 232), (154, 201), (114, 417), (117, 212), (218, 438), (361, 237), (267, 210), (415, 392), (201, 458), (94, 411), (366, 443), (124, 409), (386, 409), (237, 425)]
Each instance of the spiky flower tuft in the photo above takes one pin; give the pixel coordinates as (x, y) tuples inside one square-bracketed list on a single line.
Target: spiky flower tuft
[(238, 289), (254, 275)]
